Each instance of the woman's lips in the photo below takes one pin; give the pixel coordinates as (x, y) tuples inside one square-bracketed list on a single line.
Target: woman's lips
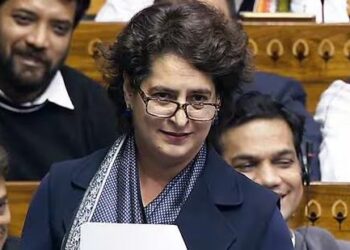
[(177, 134), (176, 137)]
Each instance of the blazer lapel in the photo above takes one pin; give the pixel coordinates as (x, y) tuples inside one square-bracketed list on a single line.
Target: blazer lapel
[(201, 222), (80, 180)]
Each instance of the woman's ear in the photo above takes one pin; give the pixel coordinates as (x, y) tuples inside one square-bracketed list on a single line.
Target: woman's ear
[(128, 91)]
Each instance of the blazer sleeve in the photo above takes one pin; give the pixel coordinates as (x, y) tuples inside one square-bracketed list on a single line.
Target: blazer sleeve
[(36, 234), (277, 235)]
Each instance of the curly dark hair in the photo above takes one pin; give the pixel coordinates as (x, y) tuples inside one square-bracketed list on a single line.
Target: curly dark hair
[(193, 31), (82, 6)]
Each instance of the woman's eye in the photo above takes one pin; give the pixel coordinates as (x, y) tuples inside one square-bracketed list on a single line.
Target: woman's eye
[(199, 98), (3, 207), (162, 96)]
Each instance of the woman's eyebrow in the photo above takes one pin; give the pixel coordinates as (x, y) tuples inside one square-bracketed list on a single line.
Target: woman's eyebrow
[(162, 88)]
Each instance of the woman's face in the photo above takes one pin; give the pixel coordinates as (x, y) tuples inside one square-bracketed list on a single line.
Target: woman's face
[(176, 139)]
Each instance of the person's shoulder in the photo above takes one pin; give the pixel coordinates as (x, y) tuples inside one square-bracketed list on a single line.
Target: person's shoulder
[(78, 83), (73, 76), (276, 85), (336, 87), (265, 82), (84, 167), (253, 193), (86, 93), (343, 244), (313, 231), (266, 78), (319, 238), (259, 193), (339, 89)]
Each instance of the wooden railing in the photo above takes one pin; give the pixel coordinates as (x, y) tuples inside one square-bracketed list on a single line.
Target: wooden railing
[(326, 205), (20, 195), (315, 54)]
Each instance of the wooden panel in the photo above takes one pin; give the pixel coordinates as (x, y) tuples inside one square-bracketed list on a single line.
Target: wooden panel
[(19, 194), (331, 198), (315, 40), (95, 6), (326, 202), (272, 43), (85, 37)]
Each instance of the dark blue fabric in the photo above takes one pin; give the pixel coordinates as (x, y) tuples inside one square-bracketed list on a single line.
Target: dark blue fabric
[(12, 243), (225, 210), (292, 95), (121, 191)]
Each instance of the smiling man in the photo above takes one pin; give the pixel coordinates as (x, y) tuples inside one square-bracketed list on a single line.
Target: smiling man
[(262, 141), (48, 112)]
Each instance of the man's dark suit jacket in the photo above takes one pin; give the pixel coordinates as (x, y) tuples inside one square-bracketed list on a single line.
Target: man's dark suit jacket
[(292, 95), (225, 210)]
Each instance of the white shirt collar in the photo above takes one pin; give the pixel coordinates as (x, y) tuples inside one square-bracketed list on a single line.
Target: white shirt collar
[(56, 93), (292, 235)]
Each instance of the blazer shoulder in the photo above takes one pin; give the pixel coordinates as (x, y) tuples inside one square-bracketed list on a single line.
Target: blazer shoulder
[(79, 170), (256, 192), (12, 243), (230, 185), (315, 238)]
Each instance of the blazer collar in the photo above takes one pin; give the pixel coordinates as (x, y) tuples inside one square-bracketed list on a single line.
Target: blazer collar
[(221, 179), (85, 171), (202, 223)]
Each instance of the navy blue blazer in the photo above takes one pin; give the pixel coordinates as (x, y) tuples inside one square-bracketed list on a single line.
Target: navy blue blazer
[(225, 210), (12, 243), (292, 95)]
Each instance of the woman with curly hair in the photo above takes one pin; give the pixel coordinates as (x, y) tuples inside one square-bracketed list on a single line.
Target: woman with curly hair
[(173, 71)]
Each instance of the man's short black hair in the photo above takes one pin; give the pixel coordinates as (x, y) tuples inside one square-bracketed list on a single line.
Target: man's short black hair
[(254, 105)]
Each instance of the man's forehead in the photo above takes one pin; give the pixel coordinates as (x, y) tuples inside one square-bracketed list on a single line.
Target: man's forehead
[(58, 8), (260, 134)]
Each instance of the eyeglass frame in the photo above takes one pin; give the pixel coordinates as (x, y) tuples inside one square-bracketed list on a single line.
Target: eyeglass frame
[(183, 106)]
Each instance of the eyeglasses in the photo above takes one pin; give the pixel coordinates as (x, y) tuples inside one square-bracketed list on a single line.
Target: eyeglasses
[(163, 108)]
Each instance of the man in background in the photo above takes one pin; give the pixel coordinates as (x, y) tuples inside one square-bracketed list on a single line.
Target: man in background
[(48, 112), (262, 141)]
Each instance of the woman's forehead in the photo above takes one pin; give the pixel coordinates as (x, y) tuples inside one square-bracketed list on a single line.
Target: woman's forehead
[(173, 72)]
